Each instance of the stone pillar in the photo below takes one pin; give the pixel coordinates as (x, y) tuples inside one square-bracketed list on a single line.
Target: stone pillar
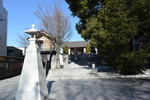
[(93, 66), (84, 50), (32, 84), (69, 51), (96, 50)]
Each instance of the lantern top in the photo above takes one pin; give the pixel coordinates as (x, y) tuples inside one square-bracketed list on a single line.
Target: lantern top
[(32, 31), (33, 26)]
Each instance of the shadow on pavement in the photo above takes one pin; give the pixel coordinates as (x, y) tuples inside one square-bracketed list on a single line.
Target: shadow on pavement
[(49, 86)]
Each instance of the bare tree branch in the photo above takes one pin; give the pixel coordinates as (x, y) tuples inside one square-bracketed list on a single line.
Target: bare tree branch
[(56, 23), (23, 42)]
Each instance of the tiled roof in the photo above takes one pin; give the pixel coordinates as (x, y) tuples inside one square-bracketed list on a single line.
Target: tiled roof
[(73, 44)]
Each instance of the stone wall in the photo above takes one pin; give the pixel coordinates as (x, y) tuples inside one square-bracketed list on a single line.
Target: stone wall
[(82, 61), (54, 62)]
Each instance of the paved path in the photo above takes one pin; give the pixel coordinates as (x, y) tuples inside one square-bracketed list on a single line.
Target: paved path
[(8, 88), (91, 89)]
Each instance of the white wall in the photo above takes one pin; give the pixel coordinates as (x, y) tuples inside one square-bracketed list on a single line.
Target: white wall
[(1, 3), (3, 30)]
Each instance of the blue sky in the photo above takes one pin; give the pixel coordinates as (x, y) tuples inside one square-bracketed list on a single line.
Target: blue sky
[(21, 17)]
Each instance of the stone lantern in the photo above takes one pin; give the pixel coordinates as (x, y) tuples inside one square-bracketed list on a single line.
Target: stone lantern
[(32, 84)]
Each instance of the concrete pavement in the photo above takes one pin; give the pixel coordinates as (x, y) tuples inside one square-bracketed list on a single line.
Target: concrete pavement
[(91, 89), (8, 88), (104, 89)]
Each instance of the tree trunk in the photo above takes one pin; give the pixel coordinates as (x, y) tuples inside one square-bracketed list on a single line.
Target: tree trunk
[(58, 53), (132, 45)]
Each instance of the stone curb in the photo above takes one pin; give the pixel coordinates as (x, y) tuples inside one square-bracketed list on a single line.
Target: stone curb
[(124, 76)]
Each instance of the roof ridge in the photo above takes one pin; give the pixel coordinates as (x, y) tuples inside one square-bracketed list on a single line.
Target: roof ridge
[(46, 33)]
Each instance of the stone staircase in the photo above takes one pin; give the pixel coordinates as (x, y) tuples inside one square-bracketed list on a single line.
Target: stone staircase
[(74, 65), (71, 73), (80, 69)]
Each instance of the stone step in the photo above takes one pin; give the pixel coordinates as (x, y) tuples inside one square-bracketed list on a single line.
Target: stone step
[(72, 66), (70, 73), (75, 77)]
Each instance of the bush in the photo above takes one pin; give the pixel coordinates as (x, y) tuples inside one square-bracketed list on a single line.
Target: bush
[(134, 63)]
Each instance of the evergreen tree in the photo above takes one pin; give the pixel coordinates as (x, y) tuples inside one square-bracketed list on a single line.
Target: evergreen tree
[(84, 9), (65, 49), (120, 29), (88, 49)]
